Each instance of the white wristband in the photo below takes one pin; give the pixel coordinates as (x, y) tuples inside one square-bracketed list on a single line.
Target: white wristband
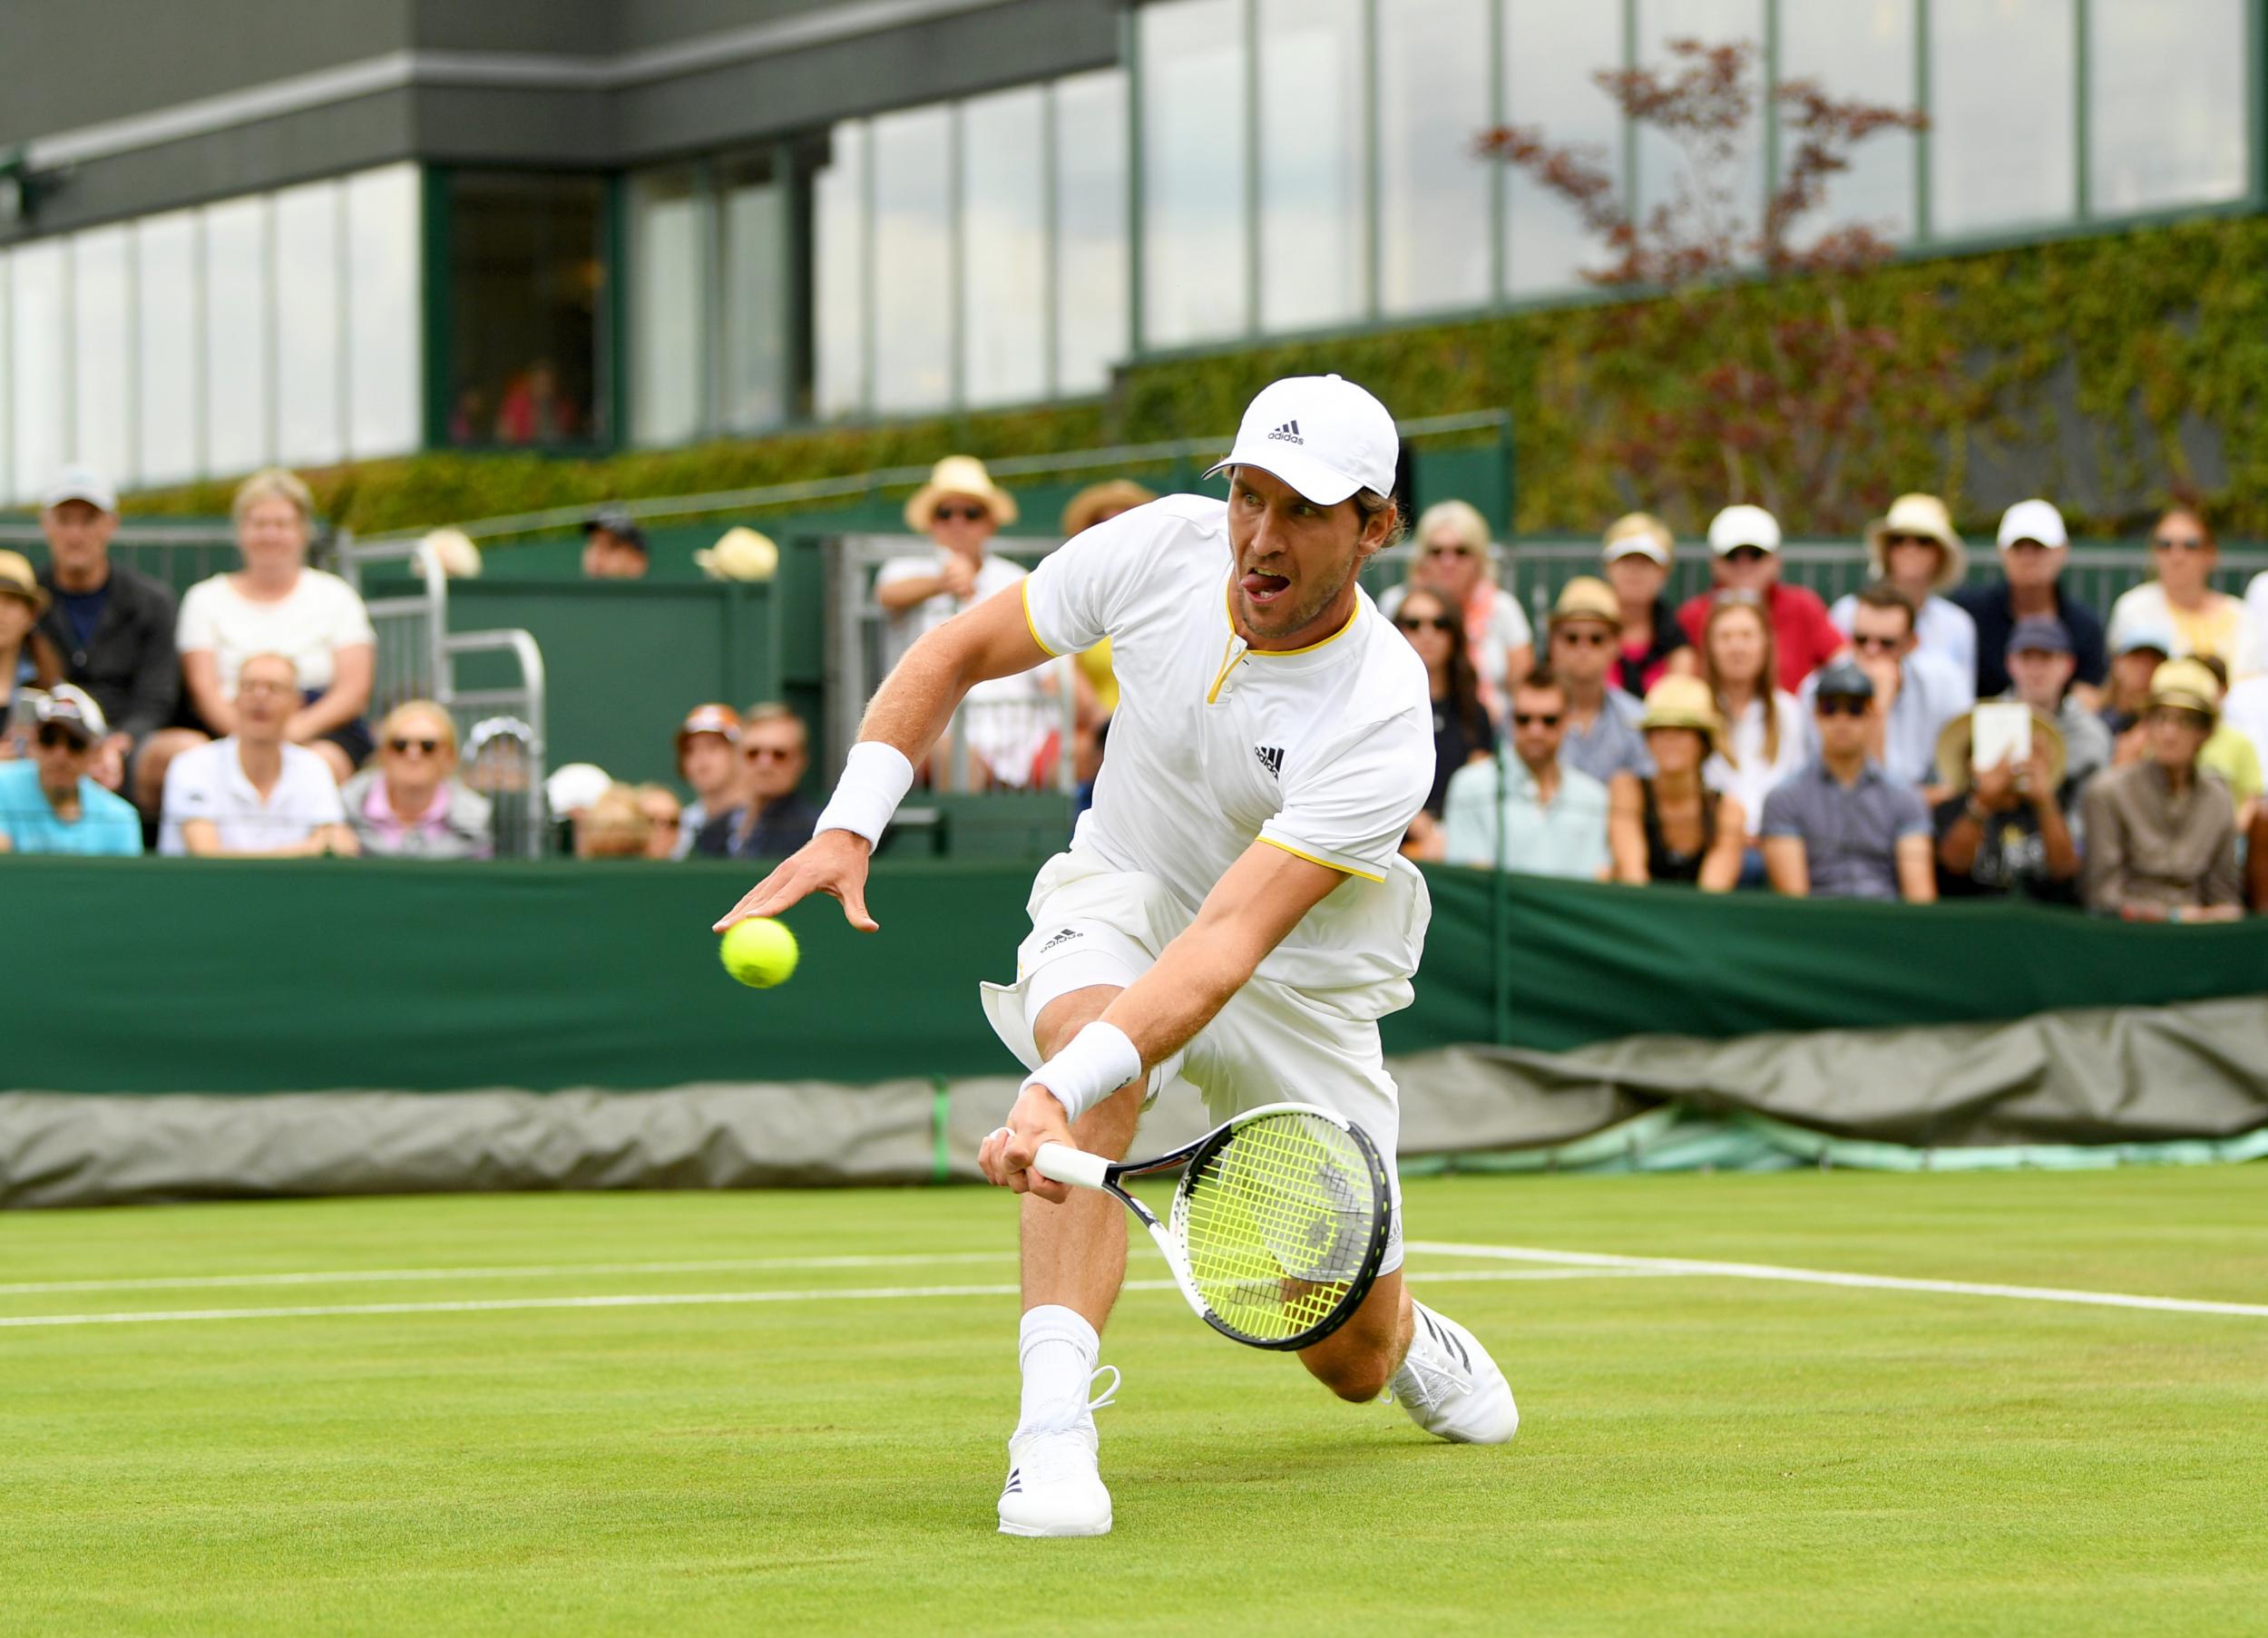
[(1100, 1060), (876, 779)]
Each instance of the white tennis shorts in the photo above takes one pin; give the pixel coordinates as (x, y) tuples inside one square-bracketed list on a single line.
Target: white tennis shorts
[(1269, 1043)]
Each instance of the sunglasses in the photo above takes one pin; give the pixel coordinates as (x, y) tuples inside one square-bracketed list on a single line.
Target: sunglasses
[(1449, 552), (1912, 539), (1581, 639), (1746, 555), (960, 515), (2179, 542), (51, 736), (1535, 719), (1844, 707), (768, 753), (1877, 645), (401, 746), (1420, 622)]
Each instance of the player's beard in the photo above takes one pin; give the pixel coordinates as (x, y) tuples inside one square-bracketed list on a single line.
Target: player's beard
[(1297, 613)]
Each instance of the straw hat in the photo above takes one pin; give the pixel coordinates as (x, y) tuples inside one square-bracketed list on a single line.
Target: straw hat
[(1586, 598), (1952, 751), (1923, 515), (16, 579), (460, 559), (740, 554), (958, 475), (2186, 685), (1683, 702), (1113, 496)]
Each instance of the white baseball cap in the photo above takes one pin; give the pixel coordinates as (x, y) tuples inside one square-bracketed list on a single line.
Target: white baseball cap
[(574, 786), (1322, 434), (71, 708), (1743, 525), (2033, 520), (80, 482)]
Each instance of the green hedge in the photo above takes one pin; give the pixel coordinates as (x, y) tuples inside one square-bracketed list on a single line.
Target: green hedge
[(2096, 370)]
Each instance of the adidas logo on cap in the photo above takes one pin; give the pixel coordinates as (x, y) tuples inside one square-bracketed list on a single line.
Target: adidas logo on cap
[(1289, 433)]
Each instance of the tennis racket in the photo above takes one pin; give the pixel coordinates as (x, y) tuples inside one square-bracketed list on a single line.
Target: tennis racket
[(1278, 1225)]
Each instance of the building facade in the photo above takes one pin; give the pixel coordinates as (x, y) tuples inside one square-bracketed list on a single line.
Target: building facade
[(246, 231)]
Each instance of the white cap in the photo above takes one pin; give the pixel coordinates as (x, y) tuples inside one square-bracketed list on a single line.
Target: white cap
[(2033, 520), (574, 786), (79, 483), (72, 706), (1322, 434), (1743, 525)]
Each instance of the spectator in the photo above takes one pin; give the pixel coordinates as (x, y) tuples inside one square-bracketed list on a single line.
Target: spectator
[(2256, 863), (2041, 663), (708, 759), (1098, 685), (774, 818), (1672, 827), (1914, 549), (2140, 652), (1915, 694), (2256, 611), (27, 660), (2161, 835), (2244, 711), (52, 804), (571, 791), (613, 547), (1841, 829), (1766, 740), (1601, 735), (114, 630), (2004, 831), (1011, 729), (2229, 752), (1637, 552), (1527, 812), (276, 604), (2204, 623), (1745, 556), (665, 819), (2034, 547), (254, 793), (1456, 559), (1099, 502), (411, 804), (614, 826), (1461, 730)]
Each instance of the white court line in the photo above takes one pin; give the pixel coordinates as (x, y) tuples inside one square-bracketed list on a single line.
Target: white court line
[(700, 1299), (503, 1270), (1815, 1276)]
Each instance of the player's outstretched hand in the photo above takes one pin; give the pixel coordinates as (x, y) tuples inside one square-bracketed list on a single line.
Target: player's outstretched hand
[(833, 863), (1005, 1156)]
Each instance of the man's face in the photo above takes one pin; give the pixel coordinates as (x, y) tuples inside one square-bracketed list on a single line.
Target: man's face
[(1538, 724), (1843, 724), (962, 524), (606, 556), (78, 538), (2031, 565), (1581, 649), (2175, 736), (710, 763), (65, 758), (267, 694), (1635, 578), (2040, 676), (772, 752), (1746, 569), (1883, 635), (1293, 558)]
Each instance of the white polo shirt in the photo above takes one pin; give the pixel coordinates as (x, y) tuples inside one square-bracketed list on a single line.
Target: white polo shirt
[(209, 783), (1326, 752)]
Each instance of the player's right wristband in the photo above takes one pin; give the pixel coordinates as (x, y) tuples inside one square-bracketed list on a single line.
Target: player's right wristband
[(876, 779), (1100, 1060)]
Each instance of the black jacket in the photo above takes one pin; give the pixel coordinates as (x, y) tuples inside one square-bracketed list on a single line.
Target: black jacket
[(131, 665), (778, 830)]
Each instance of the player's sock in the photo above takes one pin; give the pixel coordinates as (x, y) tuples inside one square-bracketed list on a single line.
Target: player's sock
[(1057, 1349), (1450, 1385), (1054, 1483)]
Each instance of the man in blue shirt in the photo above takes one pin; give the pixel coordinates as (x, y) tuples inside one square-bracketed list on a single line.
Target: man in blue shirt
[(1841, 829), (1527, 812), (1916, 692), (51, 803)]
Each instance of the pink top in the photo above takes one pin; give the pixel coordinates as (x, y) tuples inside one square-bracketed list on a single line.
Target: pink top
[(379, 812)]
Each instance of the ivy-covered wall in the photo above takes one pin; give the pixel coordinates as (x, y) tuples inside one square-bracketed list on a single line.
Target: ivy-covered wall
[(2110, 374)]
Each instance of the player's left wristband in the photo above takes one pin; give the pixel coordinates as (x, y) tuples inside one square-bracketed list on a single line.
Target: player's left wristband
[(1100, 1060), (876, 779)]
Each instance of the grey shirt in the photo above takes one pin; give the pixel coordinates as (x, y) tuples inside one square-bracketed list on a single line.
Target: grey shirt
[(1850, 833), (2147, 848), (1611, 745)]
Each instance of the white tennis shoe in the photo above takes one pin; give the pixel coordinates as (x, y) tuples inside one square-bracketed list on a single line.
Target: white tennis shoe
[(1450, 1387), (1054, 1481)]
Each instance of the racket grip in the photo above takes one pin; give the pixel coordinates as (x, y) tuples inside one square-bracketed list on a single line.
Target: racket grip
[(1062, 1164)]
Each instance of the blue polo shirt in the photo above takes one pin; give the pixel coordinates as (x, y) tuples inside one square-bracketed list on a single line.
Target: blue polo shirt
[(107, 823), (1849, 831)]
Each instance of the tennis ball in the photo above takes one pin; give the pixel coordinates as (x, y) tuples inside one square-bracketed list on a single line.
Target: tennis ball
[(760, 952)]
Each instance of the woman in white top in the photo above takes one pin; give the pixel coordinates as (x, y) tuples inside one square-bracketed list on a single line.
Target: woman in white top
[(1456, 558), (1763, 741), (1914, 548), (276, 604), (2181, 601)]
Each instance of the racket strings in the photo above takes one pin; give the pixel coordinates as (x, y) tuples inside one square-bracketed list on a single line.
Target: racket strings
[(1277, 1225)]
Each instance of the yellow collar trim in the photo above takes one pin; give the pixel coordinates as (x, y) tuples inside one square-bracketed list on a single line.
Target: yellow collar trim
[(1229, 607)]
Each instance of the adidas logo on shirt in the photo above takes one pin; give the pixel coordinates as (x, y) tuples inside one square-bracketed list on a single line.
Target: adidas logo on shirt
[(1289, 433), (1271, 758)]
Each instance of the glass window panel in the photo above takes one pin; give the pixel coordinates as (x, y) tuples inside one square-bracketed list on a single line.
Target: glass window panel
[(1433, 190), (1664, 172), (2167, 103), (1314, 251), (1194, 251), (1003, 246), (754, 359), (1552, 48), (165, 340), (1859, 50), (386, 333), (839, 212), (307, 313), (527, 290), (102, 321), (668, 291), (2000, 95), (913, 258), (1090, 261), (237, 315)]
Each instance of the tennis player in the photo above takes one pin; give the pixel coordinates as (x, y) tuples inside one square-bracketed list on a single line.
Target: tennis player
[(1233, 910)]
